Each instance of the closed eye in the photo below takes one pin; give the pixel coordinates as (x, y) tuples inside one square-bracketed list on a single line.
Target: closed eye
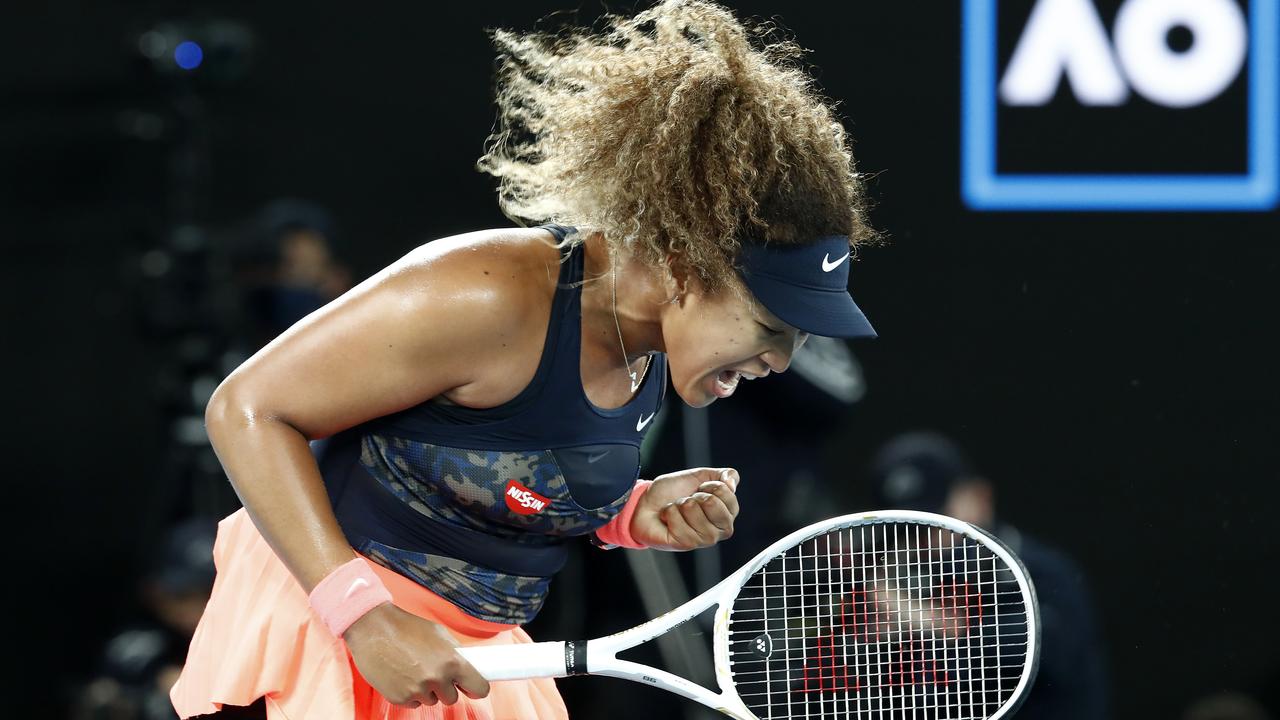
[(772, 331)]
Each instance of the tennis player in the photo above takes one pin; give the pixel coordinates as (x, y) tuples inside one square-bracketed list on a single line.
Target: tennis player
[(484, 398)]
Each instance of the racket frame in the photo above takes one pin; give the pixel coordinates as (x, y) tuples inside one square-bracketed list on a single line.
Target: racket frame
[(561, 659)]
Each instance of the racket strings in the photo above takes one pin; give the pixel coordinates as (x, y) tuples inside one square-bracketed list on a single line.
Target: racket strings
[(895, 619)]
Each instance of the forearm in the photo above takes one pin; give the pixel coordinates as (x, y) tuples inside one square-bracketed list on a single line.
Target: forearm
[(270, 465), (404, 658)]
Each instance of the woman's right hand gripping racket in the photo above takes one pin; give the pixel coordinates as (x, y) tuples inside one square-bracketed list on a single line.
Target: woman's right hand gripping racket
[(892, 614)]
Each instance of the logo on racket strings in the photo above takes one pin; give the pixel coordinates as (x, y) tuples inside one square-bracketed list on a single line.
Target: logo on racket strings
[(762, 646), (523, 501)]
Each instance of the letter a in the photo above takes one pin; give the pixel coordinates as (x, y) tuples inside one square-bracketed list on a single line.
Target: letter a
[(1063, 36)]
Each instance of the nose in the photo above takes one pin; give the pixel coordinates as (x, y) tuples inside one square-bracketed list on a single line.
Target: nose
[(779, 358)]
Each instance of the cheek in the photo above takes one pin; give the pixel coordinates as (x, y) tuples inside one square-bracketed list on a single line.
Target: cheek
[(710, 345)]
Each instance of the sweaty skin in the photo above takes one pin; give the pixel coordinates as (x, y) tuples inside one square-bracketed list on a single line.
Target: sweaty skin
[(463, 320)]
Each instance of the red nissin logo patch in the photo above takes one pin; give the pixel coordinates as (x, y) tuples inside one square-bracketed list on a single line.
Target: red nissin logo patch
[(522, 500)]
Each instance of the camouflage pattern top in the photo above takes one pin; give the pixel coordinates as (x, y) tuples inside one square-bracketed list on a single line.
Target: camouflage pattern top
[(476, 505)]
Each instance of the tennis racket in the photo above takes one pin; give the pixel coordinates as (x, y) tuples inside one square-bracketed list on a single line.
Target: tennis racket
[(879, 615)]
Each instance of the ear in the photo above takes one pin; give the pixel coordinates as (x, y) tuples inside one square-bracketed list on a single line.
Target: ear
[(682, 278), (678, 273)]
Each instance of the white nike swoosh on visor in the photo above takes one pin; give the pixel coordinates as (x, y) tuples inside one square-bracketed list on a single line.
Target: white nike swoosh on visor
[(828, 266), (643, 421)]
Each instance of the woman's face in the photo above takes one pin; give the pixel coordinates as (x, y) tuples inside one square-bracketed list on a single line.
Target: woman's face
[(715, 341)]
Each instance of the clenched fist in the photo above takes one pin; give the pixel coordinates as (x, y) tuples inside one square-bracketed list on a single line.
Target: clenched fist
[(687, 510)]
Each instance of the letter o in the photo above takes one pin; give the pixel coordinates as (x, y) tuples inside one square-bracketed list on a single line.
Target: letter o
[(1218, 50)]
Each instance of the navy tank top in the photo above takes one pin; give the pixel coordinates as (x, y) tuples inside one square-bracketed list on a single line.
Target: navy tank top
[(477, 504)]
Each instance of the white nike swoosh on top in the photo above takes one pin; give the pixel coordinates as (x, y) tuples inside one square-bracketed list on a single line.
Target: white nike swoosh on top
[(828, 266), (356, 586), (643, 421)]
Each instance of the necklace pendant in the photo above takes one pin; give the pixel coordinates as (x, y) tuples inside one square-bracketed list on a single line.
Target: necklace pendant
[(634, 383)]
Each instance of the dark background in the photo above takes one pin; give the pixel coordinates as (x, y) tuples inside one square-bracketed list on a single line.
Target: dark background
[(1114, 374)]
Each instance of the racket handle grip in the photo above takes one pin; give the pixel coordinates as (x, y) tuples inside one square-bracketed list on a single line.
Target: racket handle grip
[(517, 662)]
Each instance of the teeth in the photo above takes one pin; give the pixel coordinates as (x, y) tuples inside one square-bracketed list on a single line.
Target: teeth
[(731, 383)]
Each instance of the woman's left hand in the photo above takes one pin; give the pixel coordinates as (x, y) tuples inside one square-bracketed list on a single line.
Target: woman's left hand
[(687, 510)]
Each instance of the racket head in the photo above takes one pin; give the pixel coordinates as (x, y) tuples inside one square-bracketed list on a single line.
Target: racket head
[(883, 612)]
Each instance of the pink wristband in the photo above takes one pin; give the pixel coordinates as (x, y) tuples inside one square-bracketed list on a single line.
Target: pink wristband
[(346, 594), (618, 531)]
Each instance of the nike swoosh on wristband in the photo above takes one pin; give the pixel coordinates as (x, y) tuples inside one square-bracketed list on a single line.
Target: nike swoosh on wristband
[(356, 585), (596, 458), (828, 266), (643, 421)]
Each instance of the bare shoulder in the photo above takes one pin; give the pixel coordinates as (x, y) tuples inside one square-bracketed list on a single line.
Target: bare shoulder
[(481, 298), (509, 272), (484, 299), (462, 317)]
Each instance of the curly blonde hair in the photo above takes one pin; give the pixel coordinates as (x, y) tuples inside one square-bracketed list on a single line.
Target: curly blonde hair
[(677, 132)]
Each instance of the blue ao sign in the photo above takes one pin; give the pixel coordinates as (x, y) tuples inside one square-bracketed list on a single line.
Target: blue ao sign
[(1161, 105)]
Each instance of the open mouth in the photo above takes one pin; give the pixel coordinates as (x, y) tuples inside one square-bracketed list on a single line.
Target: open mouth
[(726, 383)]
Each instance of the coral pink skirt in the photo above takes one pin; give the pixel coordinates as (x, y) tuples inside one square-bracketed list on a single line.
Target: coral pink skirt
[(258, 638)]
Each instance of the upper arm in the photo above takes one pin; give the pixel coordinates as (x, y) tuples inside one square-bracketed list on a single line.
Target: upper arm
[(430, 323)]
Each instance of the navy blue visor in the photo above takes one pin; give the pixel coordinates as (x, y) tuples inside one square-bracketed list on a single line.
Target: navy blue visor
[(806, 286)]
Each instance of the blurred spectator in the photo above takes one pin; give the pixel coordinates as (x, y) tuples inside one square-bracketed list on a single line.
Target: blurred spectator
[(140, 663), (928, 472), (287, 268), (1226, 706)]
